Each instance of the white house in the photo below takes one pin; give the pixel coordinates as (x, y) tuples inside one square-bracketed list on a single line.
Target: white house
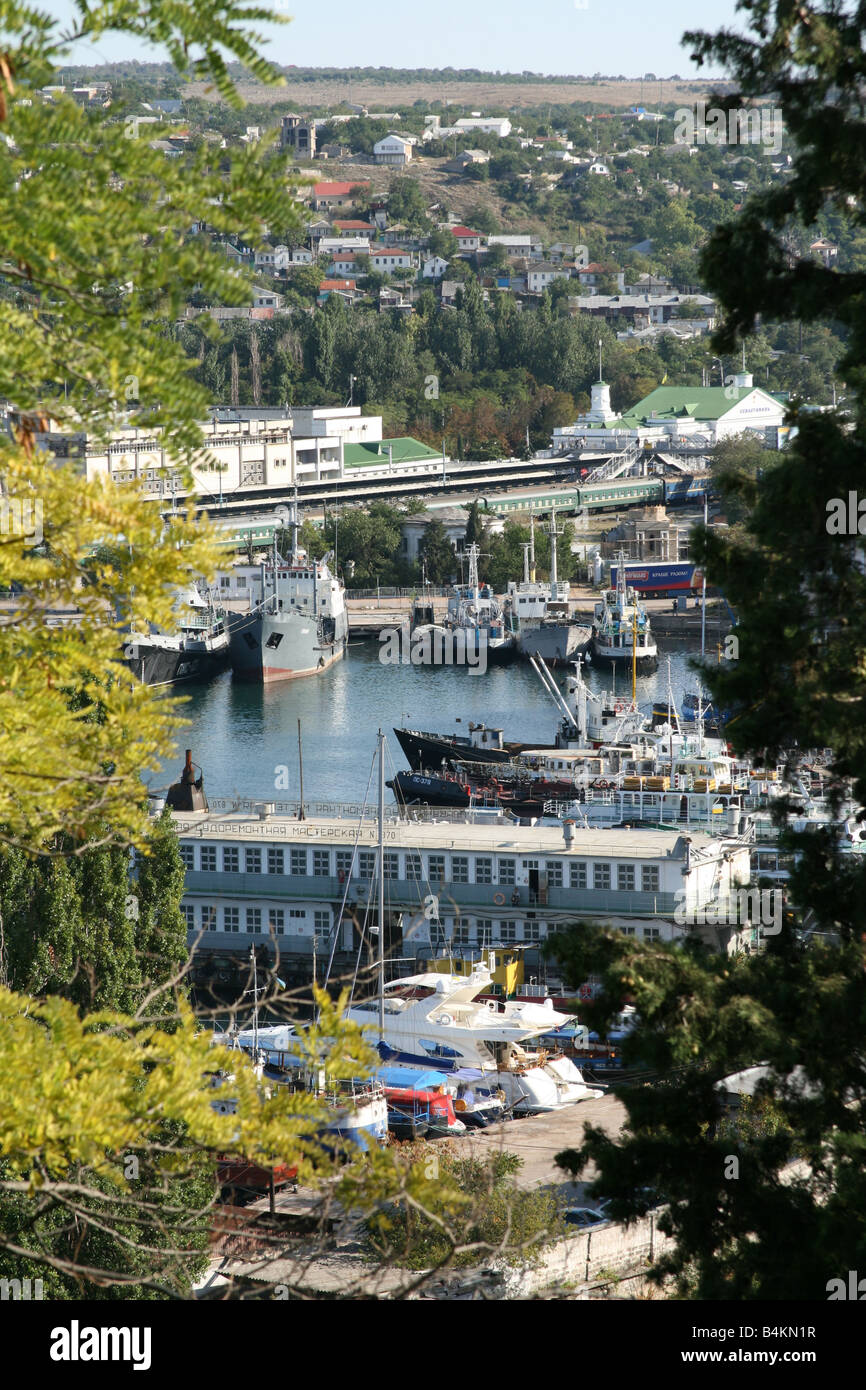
[(467, 240), (394, 149), (490, 125), (273, 258), (333, 245), (433, 268), (413, 529), (388, 259), (522, 245), (543, 273), (266, 299), (344, 264)]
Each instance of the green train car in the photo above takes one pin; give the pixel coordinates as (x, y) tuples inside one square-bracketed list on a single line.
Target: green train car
[(622, 492), (612, 494)]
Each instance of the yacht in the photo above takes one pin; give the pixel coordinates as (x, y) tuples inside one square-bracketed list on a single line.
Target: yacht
[(436, 1016)]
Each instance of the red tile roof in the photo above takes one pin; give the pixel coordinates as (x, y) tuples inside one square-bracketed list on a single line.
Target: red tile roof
[(337, 285), (465, 231), (353, 225), (336, 190)]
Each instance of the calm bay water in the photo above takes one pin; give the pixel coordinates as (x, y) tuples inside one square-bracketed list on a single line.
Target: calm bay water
[(242, 735)]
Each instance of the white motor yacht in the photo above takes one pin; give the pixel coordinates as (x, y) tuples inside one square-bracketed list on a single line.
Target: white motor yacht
[(437, 1017)]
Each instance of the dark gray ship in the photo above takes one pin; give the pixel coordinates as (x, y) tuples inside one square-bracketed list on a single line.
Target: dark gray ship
[(296, 622), (196, 649)]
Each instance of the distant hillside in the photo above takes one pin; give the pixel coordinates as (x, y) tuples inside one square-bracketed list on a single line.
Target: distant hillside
[(323, 87)]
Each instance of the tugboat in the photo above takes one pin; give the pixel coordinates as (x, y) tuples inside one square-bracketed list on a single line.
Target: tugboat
[(621, 632), (196, 649), (296, 624)]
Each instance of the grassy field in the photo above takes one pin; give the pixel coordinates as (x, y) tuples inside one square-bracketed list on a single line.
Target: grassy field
[(487, 96)]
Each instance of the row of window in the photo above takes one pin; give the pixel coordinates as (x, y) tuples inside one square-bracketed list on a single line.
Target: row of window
[(256, 920), (322, 863), (505, 933)]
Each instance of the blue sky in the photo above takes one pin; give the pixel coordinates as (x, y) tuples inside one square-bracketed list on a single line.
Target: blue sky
[(551, 36)]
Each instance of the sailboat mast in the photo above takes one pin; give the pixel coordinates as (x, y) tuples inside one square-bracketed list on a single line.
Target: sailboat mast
[(704, 594), (255, 1003), (634, 656), (301, 773), (381, 867)]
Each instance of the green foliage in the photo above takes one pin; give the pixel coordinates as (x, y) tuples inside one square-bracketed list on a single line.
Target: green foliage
[(504, 561), (783, 1227), (769, 1232), (438, 554), (370, 540), (96, 260), (83, 927), (478, 1213)]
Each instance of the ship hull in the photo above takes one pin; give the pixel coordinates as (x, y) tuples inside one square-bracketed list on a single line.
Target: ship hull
[(430, 751), (282, 647), (168, 666), (557, 643), (621, 657)]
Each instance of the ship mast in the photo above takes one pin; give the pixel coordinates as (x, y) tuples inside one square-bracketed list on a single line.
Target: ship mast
[(381, 868), (473, 572), (554, 575)]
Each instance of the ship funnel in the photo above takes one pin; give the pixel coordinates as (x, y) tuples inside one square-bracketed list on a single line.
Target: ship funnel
[(187, 794), (568, 833)]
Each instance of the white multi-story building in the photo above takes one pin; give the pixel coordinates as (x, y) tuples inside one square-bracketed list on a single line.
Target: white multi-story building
[(259, 872), (245, 450)]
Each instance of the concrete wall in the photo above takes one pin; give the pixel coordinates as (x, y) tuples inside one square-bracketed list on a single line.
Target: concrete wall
[(592, 1263)]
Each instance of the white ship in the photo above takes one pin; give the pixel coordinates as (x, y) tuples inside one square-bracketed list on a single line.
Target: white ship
[(621, 632), (475, 622), (436, 1016)]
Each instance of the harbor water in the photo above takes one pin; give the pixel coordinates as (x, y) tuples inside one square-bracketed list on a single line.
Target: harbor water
[(245, 736)]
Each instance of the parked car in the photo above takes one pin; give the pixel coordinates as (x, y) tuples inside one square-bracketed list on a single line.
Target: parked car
[(583, 1217)]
